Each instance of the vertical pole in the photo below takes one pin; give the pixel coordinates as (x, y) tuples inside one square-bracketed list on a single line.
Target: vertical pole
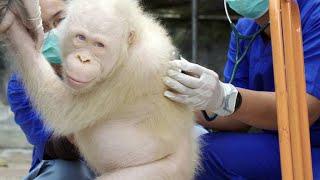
[(194, 9), (302, 97), (281, 89), (294, 116), (294, 59), (293, 123)]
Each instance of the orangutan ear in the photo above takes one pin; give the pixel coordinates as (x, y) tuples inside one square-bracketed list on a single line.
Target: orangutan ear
[(132, 37)]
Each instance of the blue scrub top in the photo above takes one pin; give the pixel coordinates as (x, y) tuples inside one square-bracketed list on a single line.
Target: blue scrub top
[(256, 70), (27, 118)]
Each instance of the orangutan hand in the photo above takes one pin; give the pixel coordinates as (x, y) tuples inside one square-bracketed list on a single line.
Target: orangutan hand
[(26, 11), (6, 16)]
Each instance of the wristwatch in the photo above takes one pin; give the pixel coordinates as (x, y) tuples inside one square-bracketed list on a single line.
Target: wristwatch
[(231, 102), (238, 102)]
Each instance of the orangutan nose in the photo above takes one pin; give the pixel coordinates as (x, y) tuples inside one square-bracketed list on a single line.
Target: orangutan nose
[(83, 58)]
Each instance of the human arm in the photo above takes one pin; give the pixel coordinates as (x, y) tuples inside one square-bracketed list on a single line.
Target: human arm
[(265, 101), (258, 110), (262, 105)]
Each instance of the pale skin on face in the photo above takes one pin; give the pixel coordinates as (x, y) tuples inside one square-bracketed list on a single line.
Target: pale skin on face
[(264, 20), (52, 13), (88, 49), (90, 57), (258, 109), (83, 65)]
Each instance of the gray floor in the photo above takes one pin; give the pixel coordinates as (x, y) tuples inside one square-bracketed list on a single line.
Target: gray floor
[(15, 152)]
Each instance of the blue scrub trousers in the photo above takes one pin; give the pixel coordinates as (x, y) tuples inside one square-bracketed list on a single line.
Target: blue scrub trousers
[(61, 170), (236, 156)]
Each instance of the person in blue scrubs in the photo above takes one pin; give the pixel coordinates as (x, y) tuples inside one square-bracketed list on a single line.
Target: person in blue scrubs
[(250, 100), (53, 157)]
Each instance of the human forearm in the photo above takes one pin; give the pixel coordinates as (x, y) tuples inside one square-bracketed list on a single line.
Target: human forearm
[(259, 110), (221, 124)]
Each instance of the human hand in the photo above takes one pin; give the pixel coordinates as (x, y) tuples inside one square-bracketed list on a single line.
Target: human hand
[(201, 91)]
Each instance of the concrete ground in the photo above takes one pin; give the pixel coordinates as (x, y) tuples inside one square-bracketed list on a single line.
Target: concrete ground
[(15, 152), (14, 163)]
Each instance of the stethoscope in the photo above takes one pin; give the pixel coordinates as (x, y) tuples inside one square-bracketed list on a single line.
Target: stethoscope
[(239, 57)]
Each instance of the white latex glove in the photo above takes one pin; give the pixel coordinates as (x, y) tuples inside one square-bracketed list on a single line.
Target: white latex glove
[(201, 91), (27, 11)]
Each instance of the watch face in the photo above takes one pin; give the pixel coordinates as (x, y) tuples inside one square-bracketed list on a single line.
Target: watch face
[(229, 101), (229, 105)]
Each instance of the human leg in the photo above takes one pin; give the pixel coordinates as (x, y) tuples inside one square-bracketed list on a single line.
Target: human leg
[(316, 163), (60, 169), (240, 156), (247, 156)]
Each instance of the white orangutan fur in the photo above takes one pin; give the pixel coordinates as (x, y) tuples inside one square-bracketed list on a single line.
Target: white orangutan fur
[(123, 125)]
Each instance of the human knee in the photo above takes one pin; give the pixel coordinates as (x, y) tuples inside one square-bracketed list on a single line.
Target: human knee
[(60, 169)]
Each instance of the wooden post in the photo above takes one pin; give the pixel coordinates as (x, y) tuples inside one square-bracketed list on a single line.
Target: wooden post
[(290, 84), (281, 89)]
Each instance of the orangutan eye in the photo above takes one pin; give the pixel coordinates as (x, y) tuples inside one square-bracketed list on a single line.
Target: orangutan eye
[(81, 37), (99, 44)]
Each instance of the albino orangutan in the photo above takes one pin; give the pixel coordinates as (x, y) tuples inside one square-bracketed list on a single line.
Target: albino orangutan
[(111, 99)]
